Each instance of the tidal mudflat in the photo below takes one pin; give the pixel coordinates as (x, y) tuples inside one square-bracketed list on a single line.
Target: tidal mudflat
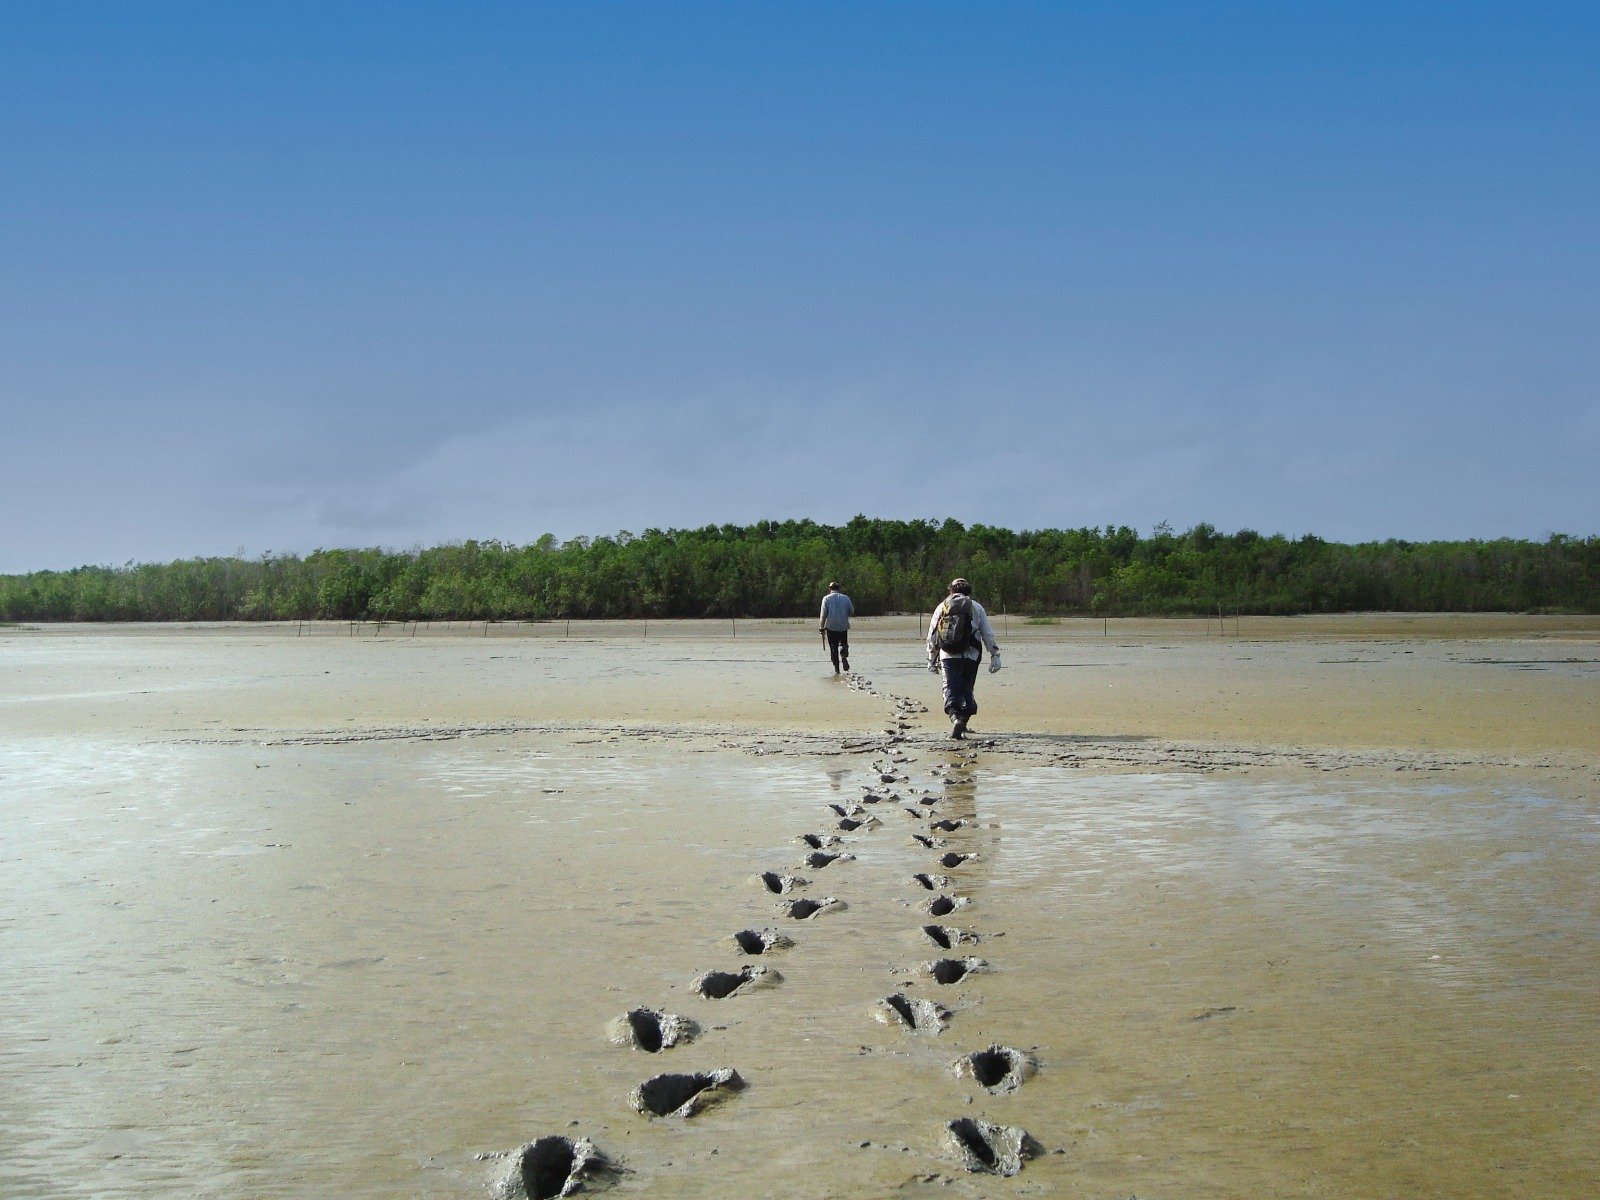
[(1310, 913)]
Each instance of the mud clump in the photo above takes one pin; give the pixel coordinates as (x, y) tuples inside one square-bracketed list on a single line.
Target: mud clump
[(776, 883), (683, 1095), (805, 910), (549, 1167), (918, 1016), (984, 1147), (759, 941), (997, 1070), (719, 985), (651, 1031), (953, 970)]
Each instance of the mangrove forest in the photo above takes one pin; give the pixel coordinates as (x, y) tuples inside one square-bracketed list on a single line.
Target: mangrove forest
[(780, 568)]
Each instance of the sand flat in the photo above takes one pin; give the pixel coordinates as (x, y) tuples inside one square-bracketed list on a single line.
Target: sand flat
[(1311, 912)]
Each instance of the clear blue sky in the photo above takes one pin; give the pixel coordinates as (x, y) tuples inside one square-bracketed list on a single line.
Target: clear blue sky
[(279, 276)]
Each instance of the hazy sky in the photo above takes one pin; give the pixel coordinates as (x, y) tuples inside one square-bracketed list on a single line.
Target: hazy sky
[(279, 276)]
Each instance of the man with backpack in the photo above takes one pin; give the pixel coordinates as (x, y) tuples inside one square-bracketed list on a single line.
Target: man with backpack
[(957, 637)]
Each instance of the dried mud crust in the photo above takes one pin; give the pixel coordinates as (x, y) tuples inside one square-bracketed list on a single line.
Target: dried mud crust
[(1066, 749)]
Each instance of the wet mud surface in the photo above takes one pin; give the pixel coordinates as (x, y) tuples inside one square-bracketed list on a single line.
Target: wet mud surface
[(336, 963)]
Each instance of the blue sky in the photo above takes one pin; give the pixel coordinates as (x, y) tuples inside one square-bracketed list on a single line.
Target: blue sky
[(283, 276)]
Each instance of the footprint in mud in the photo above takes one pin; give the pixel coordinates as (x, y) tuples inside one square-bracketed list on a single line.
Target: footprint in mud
[(943, 906), (915, 814), (953, 970), (840, 810), (683, 1095), (932, 882), (804, 910), (776, 883), (719, 985), (998, 1070), (651, 1031), (871, 798), (947, 826), (933, 843), (953, 859), (549, 1167), (947, 936), (982, 1146), (818, 859), (869, 823), (818, 841), (929, 800), (919, 1016), (760, 941)]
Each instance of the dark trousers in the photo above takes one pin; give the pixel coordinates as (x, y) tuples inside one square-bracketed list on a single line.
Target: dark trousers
[(960, 675), (839, 647)]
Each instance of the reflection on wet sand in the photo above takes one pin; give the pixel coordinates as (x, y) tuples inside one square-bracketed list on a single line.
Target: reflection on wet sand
[(335, 964)]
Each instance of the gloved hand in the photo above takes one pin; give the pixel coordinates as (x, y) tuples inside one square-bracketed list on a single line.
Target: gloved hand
[(994, 662), (933, 665)]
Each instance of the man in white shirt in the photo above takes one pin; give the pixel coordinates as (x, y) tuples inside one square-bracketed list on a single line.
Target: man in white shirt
[(957, 637), (834, 625)]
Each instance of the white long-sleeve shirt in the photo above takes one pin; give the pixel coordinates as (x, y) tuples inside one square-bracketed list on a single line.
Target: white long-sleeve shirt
[(980, 626), (836, 612)]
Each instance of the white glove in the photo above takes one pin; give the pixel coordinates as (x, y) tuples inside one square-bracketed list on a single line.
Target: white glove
[(994, 662)]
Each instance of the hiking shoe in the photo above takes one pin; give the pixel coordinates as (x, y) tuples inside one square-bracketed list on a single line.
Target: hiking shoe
[(958, 728)]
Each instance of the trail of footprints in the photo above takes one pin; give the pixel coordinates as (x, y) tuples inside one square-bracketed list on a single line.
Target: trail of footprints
[(556, 1166)]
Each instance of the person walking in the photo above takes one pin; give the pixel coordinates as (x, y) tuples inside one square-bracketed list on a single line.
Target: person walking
[(834, 626), (957, 637)]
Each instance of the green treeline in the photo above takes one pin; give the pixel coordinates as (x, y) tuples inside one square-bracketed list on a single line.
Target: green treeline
[(780, 568)]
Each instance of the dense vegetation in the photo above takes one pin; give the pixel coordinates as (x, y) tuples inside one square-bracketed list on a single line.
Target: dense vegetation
[(779, 568)]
